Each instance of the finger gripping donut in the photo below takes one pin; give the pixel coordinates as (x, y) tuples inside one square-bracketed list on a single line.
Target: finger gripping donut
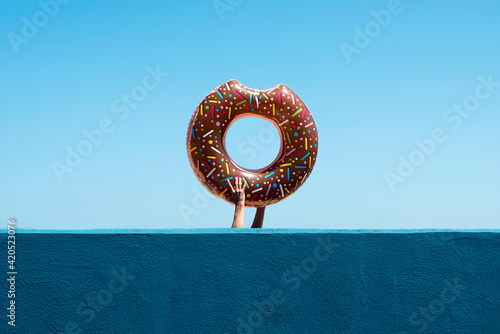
[(232, 101)]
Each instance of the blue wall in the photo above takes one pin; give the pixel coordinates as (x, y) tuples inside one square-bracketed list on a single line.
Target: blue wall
[(260, 281)]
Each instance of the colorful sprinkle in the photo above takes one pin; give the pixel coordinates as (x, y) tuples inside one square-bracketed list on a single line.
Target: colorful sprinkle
[(297, 112), (209, 132), (213, 170), (246, 183), (285, 121), (267, 192)]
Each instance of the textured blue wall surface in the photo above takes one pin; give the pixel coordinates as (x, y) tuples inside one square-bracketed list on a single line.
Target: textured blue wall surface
[(257, 281)]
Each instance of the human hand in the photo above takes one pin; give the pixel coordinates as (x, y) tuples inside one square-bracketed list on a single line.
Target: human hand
[(238, 192)]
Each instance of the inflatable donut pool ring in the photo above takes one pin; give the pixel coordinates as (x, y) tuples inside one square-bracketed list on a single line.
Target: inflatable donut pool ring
[(232, 101)]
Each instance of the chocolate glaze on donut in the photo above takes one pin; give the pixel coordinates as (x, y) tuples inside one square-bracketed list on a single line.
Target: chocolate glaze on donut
[(279, 105)]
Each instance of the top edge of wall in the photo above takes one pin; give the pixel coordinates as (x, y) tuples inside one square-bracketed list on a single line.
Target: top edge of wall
[(254, 231)]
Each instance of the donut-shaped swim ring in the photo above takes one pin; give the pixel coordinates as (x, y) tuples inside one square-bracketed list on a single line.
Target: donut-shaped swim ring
[(232, 101)]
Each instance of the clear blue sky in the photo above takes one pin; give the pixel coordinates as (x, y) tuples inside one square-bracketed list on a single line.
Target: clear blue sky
[(66, 72)]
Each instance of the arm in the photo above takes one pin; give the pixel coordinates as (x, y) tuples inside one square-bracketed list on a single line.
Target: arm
[(259, 217), (239, 217), (239, 198)]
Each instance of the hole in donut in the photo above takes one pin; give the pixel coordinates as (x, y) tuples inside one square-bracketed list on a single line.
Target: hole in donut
[(253, 143)]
